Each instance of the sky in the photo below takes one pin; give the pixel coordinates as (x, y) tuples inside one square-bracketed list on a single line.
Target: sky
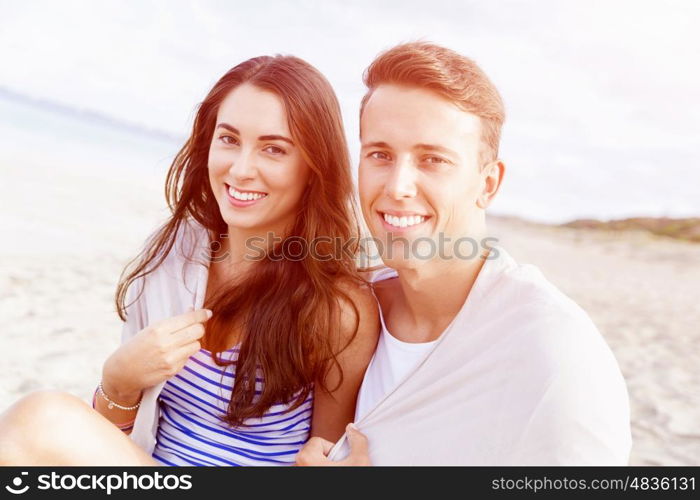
[(602, 98)]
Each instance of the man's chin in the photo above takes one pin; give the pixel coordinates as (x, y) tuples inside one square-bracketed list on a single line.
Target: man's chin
[(400, 264), (401, 256)]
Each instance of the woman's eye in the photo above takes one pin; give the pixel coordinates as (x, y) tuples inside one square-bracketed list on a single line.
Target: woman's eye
[(275, 150), (379, 155), (228, 139)]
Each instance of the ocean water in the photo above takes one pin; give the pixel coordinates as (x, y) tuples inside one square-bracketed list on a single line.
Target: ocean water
[(539, 185), (39, 131)]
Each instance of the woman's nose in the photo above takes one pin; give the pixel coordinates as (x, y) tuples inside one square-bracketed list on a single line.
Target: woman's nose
[(243, 166)]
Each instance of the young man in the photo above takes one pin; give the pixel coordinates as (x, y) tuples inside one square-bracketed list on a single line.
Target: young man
[(481, 360)]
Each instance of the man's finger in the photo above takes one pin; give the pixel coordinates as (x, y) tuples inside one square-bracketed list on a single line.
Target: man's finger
[(314, 452), (359, 445), (319, 445), (327, 446)]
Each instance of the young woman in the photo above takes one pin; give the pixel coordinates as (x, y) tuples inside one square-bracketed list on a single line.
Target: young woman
[(246, 331)]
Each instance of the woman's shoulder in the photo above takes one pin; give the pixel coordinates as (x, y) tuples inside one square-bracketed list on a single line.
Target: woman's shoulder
[(178, 267), (191, 244), (359, 313)]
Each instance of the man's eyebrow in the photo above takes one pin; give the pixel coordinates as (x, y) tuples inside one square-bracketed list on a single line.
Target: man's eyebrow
[(434, 147), (376, 144)]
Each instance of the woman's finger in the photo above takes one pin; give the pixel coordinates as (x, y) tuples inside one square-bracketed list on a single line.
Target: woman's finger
[(176, 323), (184, 352), (187, 335)]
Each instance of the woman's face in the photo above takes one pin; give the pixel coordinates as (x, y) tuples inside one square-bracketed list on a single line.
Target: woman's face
[(255, 169)]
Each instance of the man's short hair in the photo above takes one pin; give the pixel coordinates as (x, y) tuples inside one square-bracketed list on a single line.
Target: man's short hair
[(449, 74)]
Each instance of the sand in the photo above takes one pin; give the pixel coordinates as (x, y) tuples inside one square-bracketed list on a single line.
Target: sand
[(67, 235), (65, 240)]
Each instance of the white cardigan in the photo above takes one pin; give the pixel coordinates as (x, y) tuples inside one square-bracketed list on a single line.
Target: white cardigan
[(176, 285), (520, 377)]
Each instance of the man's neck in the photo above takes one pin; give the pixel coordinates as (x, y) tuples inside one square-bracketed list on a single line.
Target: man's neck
[(432, 295), (428, 296)]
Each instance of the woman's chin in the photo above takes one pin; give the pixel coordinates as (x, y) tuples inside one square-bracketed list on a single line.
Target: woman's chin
[(237, 220), (243, 223)]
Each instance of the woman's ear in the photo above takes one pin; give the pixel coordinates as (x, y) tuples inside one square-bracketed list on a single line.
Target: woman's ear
[(492, 175)]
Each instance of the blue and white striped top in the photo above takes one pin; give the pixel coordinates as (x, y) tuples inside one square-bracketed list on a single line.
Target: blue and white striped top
[(190, 431)]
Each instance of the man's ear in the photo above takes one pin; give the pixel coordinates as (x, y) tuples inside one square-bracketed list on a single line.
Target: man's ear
[(492, 175)]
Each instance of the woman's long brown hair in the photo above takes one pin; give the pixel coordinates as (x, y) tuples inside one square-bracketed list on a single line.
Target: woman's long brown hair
[(287, 310)]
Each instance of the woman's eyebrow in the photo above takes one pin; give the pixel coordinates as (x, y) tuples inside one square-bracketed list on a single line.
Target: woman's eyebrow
[(275, 138), (270, 137), (229, 128)]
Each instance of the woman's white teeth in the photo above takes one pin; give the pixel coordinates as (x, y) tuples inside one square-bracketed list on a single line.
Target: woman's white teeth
[(245, 196), (404, 221)]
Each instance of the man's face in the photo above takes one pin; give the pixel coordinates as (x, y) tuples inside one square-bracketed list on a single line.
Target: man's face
[(419, 172)]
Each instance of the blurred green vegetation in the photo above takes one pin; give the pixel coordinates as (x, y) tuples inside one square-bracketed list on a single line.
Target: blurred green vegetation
[(687, 229)]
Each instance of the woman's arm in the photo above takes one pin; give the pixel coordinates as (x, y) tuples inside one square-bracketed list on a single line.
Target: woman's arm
[(333, 411), (153, 355), (123, 419), (135, 321)]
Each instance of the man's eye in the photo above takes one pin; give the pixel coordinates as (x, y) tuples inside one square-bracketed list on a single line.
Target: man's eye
[(228, 139), (379, 155), (275, 150), (435, 159)]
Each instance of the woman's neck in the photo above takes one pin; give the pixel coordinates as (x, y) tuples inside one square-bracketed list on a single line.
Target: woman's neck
[(241, 247)]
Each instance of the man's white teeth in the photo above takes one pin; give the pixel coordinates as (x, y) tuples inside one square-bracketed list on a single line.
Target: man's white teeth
[(244, 196), (403, 221)]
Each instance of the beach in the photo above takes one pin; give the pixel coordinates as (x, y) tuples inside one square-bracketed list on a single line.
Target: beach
[(66, 240), (69, 232), (642, 293)]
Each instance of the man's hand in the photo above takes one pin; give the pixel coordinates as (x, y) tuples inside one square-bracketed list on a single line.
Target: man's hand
[(315, 451)]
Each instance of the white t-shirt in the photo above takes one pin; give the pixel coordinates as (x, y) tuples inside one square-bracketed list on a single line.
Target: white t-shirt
[(393, 360)]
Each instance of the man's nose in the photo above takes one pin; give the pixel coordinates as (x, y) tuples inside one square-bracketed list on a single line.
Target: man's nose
[(402, 180)]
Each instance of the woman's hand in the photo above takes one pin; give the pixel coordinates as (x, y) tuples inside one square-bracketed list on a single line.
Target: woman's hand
[(153, 355)]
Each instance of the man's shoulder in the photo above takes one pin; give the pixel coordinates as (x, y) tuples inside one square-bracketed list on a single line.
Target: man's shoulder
[(543, 317), (529, 291)]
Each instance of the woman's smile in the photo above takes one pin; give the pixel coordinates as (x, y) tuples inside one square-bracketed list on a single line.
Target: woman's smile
[(240, 198)]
